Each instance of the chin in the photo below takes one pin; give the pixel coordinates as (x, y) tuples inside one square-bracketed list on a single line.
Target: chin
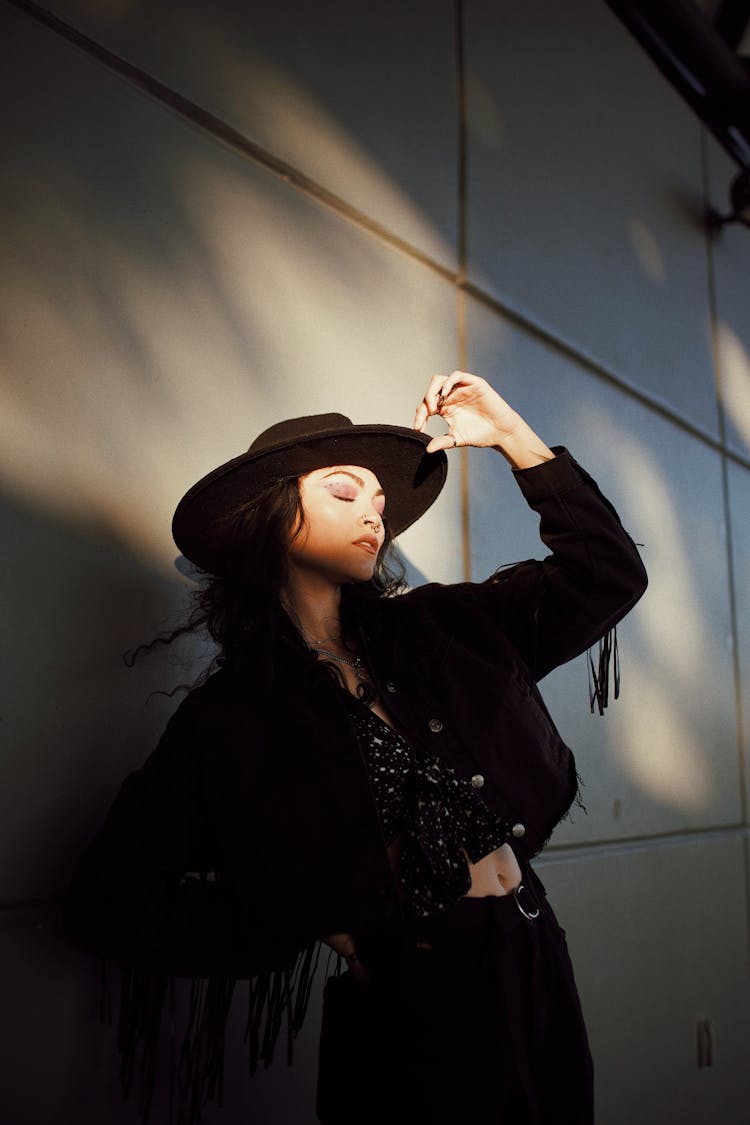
[(363, 575), (360, 578)]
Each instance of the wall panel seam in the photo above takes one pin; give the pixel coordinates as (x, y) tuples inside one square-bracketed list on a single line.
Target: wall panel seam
[(562, 853), (713, 308), (461, 227), (227, 134), (233, 139), (604, 374)]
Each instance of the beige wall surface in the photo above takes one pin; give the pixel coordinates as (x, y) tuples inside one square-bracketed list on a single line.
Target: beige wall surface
[(216, 215)]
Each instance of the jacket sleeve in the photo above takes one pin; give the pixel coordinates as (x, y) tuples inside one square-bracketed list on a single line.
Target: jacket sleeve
[(140, 894), (554, 609)]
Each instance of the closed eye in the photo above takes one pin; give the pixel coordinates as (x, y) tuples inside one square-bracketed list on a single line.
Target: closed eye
[(342, 492)]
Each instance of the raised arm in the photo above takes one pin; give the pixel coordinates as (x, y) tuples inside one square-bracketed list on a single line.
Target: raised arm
[(552, 609)]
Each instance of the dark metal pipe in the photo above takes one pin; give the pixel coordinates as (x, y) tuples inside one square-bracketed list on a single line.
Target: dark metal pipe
[(698, 62), (731, 19)]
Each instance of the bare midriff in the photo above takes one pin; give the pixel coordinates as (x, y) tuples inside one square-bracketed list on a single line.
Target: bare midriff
[(495, 874)]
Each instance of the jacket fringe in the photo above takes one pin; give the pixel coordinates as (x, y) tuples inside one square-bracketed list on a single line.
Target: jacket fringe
[(599, 676), (196, 1050), (141, 1001)]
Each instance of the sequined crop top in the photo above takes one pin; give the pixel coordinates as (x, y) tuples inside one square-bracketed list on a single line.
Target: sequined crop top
[(434, 811)]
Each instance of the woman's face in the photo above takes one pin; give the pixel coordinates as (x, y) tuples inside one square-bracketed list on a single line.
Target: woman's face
[(343, 529)]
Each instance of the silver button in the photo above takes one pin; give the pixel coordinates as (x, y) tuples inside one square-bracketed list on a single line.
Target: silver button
[(435, 725), (390, 686), (477, 781), (518, 830)]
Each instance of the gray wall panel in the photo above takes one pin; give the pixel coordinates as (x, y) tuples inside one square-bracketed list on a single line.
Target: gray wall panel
[(356, 97), (651, 961), (664, 757), (146, 338), (739, 507), (585, 194)]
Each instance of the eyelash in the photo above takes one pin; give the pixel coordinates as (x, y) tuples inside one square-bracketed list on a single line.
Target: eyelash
[(348, 499)]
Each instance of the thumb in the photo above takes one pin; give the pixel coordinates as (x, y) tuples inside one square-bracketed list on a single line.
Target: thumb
[(445, 441)]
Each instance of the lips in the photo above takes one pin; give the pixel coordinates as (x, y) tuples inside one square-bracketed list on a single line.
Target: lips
[(369, 542)]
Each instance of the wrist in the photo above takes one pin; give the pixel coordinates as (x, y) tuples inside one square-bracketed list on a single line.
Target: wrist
[(522, 448)]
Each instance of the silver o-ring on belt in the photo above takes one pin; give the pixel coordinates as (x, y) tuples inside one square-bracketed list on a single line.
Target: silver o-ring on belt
[(517, 896)]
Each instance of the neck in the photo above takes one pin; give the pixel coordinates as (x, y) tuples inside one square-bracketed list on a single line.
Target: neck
[(313, 603)]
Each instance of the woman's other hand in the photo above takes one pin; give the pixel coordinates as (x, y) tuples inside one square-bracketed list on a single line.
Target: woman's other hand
[(477, 415), (344, 944)]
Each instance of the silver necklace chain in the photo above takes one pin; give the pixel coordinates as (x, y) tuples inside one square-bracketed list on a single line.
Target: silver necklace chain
[(356, 663)]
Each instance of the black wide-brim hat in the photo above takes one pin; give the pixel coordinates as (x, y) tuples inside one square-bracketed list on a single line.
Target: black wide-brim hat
[(411, 478)]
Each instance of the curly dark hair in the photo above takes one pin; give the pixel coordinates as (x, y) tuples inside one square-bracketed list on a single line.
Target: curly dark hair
[(240, 610)]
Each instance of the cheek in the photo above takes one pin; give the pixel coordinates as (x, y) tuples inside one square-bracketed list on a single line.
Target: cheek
[(319, 536)]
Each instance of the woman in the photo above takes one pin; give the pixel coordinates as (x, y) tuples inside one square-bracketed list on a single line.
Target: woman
[(369, 771)]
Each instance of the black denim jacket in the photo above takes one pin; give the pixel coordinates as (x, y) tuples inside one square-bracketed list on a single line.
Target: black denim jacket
[(251, 831)]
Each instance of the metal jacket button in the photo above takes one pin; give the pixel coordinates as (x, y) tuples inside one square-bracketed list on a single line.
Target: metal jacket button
[(390, 686), (435, 725), (518, 830), (477, 781)]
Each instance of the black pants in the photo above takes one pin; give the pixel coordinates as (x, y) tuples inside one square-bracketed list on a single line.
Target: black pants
[(471, 1015)]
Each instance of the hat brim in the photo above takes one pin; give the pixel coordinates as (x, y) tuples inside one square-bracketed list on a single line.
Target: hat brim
[(411, 480)]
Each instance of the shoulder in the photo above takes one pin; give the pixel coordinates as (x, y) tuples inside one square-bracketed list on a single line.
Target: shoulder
[(207, 707), (453, 597), (213, 692), (459, 610)]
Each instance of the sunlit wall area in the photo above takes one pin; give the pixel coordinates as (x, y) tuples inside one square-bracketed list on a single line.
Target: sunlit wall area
[(216, 215), (600, 305)]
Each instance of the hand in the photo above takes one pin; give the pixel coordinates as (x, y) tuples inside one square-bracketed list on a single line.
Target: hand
[(344, 944), (478, 416)]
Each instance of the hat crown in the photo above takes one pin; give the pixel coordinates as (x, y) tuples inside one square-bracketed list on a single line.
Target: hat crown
[(299, 429)]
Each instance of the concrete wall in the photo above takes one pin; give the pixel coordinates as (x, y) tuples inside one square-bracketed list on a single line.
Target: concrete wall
[(215, 215)]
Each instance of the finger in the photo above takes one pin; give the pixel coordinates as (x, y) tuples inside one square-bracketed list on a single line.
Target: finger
[(437, 383), (445, 441), (420, 418), (452, 383), (437, 394), (456, 381), (428, 406), (462, 377), (445, 391)]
